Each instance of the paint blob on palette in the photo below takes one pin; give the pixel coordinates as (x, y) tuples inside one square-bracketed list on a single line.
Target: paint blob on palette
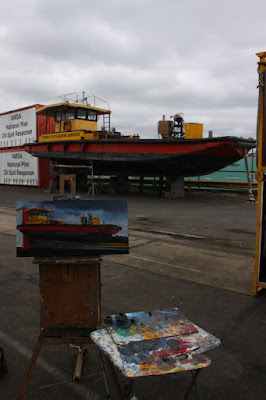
[(148, 325), (205, 340)]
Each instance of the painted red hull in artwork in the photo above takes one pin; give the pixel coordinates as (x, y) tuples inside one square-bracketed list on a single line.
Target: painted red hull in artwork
[(104, 229), (147, 157), (68, 232)]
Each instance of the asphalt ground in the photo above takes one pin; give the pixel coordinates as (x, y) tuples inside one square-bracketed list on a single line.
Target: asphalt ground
[(195, 253)]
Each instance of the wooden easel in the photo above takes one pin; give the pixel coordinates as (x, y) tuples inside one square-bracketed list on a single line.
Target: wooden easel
[(70, 306)]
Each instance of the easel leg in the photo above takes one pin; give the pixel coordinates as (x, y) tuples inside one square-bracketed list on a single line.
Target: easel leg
[(78, 367), (31, 366), (193, 383)]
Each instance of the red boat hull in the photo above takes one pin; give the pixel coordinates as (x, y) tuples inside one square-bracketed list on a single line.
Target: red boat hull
[(146, 157)]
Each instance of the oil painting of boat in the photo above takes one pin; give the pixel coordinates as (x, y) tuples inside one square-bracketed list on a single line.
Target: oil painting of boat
[(76, 228)]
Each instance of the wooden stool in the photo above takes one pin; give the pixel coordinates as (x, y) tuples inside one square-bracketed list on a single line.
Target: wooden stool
[(72, 179)]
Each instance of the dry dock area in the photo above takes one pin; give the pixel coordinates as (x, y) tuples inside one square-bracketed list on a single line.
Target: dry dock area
[(195, 253)]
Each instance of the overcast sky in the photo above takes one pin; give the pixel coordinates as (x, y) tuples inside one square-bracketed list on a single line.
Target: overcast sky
[(146, 58)]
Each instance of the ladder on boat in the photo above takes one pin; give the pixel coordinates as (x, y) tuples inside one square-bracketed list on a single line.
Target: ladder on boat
[(106, 122)]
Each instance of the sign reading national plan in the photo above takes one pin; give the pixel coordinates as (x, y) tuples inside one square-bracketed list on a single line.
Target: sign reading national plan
[(18, 168), (18, 127)]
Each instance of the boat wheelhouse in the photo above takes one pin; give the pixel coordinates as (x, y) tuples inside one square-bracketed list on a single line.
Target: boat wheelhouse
[(71, 121)]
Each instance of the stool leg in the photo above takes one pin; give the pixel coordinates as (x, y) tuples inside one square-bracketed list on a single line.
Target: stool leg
[(118, 388), (105, 378), (127, 390), (197, 386), (193, 383)]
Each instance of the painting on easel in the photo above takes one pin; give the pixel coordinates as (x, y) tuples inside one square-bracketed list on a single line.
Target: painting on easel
[(71, 228)]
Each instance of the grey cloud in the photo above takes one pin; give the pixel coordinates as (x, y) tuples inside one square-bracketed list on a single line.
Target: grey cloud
[(145, 57)]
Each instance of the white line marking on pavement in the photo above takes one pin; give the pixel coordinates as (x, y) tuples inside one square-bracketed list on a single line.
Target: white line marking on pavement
[(163, 263), (71, 381), (79, 388)]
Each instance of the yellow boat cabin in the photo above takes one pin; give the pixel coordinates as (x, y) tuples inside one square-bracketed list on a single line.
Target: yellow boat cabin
[(73, 121)]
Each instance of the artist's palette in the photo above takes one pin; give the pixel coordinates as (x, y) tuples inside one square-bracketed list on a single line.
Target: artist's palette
[(145, 325), (154, 343), (152, 357)]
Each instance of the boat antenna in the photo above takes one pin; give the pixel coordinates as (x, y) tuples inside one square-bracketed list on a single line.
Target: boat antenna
[(65, 98), (84, 99)]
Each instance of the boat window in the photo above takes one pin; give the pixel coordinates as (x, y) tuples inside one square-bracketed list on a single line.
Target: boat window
[(81, 114), (38, 212), (92, 116), (70, 114), (60, 116), (65, 115), (32, 212)]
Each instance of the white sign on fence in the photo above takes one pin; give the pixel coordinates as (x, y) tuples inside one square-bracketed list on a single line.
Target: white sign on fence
[(18, 168), (18, 127)]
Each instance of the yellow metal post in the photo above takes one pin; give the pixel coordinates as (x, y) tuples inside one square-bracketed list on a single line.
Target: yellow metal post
[(261, 69), (260, 172), (258, 236)]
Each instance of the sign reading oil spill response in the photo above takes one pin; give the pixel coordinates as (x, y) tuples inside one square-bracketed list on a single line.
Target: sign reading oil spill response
[(71, 228), (18, 128), (18, 168)]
